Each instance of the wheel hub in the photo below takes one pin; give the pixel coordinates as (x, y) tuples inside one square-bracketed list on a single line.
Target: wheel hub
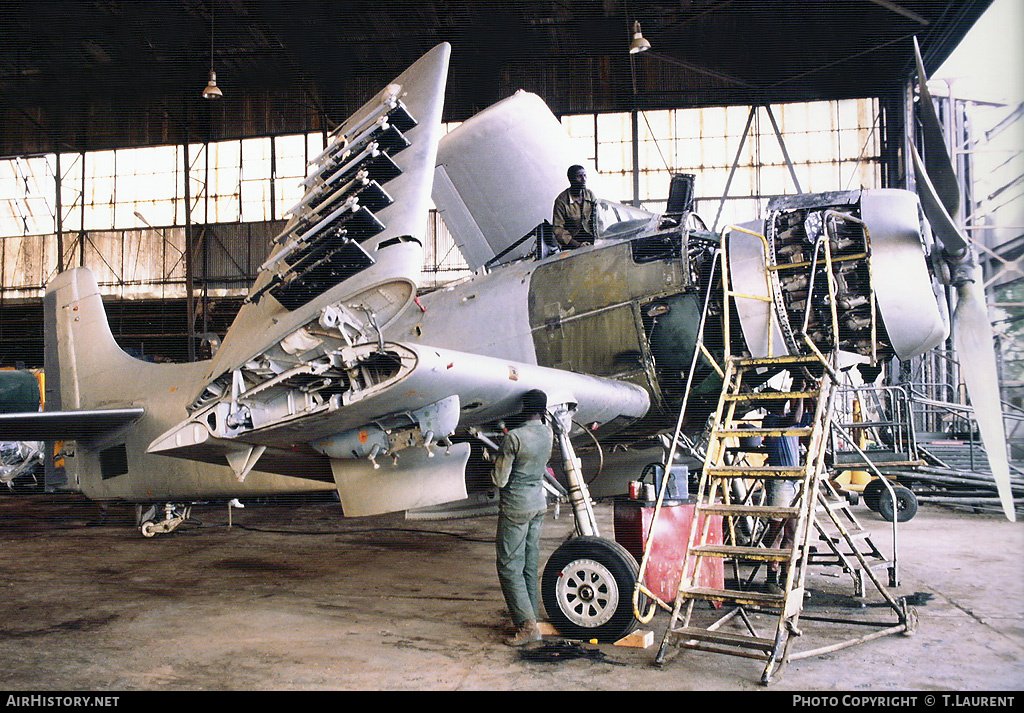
[(587, 593)]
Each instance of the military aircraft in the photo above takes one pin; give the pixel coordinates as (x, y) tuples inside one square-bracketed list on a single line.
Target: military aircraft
[(336, 376)]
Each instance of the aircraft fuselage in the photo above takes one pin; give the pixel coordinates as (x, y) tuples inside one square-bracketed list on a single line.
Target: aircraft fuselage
[(627, 310)]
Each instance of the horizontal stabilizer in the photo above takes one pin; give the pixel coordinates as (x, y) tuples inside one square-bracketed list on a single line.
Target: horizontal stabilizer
[(64, 425)]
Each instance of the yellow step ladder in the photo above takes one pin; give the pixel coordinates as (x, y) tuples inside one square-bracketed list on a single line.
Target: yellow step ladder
[(728, 488)]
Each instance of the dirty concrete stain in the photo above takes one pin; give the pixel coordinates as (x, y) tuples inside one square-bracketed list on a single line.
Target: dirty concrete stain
[(84, 624)]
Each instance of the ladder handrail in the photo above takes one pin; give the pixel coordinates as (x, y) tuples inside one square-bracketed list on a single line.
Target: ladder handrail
[(721, 255), (900, 408), (670, 457), (719, 474), (885, 482)]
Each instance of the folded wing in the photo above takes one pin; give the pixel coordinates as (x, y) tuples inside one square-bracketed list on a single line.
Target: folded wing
[(356, 238)]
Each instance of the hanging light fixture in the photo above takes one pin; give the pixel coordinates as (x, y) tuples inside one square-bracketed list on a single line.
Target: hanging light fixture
[(212, 91), (639, 44)]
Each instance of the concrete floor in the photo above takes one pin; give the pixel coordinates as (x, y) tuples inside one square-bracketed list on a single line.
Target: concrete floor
[(294, 597)]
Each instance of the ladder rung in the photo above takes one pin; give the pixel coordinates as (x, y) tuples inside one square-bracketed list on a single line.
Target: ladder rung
[(852, 534), (749, 510), (741, 471), (766, 554), (829, 559), (779, 360), (834, 505), (804, 265), (754, 432), (725, 638), (771, 396), (734, 596)]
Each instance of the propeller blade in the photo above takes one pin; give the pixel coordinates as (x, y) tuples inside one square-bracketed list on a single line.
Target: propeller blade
[(936, 155), (942, 225), (972, 337), (939, 192)]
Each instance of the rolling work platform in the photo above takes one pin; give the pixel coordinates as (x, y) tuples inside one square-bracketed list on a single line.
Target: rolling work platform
[(731, 489)]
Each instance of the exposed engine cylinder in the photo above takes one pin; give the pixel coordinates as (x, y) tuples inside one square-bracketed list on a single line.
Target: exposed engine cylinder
[(843, 269)]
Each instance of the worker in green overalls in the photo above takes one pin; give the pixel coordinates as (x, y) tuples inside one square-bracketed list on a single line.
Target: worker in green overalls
[(519, 474)]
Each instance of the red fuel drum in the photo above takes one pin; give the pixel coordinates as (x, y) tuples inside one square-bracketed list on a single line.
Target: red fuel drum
[(665, 565)]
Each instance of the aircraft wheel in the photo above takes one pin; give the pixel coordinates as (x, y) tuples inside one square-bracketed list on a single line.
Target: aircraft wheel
[(148, 528), (906, 504), (587, 589)]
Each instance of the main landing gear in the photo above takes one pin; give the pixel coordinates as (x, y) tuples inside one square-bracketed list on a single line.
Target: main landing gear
[(587, 584)]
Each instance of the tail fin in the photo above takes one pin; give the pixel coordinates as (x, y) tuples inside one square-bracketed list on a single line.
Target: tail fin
[(79, 344)]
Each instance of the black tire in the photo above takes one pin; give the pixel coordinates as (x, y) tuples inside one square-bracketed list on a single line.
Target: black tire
[(906, 504), (587, 589), (872, 493)]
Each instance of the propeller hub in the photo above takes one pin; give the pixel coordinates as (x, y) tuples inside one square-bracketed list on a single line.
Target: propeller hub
[(961, 266)]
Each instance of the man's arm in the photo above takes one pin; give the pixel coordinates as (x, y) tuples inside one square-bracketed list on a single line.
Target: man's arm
[(559, 218), (798, 410), (503, 464), (595, 223)]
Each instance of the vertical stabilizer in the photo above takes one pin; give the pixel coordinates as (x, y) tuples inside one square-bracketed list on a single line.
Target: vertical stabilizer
[(79, 345), (499, 172)]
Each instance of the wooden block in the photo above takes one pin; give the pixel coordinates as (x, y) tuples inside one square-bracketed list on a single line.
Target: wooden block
[(546, 629), (637, 639)]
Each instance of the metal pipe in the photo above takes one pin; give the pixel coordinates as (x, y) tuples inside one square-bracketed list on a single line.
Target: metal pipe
[(190, 304), (60, 218), (782, 145), (851, 642), (735, 163)]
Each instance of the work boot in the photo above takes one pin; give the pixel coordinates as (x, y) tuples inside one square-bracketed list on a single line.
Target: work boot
[(771, 585), (527, 633)]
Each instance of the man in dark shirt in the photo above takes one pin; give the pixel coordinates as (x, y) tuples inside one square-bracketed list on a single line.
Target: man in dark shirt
[(519, 474)]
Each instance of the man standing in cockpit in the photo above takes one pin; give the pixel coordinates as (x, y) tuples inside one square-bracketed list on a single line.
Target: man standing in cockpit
[(574, 216)]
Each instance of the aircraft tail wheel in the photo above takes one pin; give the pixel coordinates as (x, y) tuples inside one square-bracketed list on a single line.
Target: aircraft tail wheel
[(587, 589), (148, 528), (905, 508)]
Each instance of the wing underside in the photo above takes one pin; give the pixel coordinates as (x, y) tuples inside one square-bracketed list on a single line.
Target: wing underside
[(382, 415), (346, 400)]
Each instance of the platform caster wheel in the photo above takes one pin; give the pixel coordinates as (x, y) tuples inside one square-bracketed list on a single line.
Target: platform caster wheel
[(905, 507), (872, 493), (587, 589), (910, 616)]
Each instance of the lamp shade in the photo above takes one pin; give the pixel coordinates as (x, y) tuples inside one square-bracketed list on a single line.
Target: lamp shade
[(639, 44), (212, 91)]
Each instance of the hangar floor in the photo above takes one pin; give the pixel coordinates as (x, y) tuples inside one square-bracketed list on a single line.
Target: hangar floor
[(293, 597)]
